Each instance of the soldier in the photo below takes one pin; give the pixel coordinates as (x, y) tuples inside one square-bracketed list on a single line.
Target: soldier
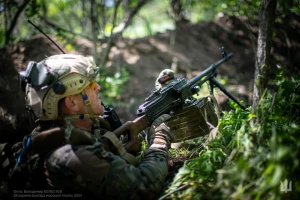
[(75, 153)]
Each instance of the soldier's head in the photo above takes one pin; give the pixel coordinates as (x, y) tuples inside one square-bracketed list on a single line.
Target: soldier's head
[(62, 86)]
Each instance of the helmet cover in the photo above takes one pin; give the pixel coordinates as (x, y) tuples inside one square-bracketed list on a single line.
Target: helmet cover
[(54, 78)]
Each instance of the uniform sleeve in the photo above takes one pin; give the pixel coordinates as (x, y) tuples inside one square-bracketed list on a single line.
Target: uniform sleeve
[(105, 174)]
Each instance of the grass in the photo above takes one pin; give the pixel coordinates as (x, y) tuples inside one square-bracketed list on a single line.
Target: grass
[(254, 156)]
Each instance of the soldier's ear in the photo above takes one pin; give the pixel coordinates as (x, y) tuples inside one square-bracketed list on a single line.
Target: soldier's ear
[(72, 103)]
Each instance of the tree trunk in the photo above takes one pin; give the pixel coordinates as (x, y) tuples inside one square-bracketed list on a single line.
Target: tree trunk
[(95, 27), (262, 65), (178, 12)]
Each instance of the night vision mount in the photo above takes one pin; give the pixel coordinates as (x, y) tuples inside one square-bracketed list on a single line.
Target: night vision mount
[(38, 76)]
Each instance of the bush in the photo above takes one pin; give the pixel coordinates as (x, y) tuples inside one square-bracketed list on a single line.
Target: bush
[(255, 156)]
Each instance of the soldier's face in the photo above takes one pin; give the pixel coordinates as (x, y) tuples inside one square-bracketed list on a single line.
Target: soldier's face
[(92, 91)]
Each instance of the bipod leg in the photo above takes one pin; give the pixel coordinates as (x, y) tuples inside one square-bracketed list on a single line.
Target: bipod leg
[(223, 89)]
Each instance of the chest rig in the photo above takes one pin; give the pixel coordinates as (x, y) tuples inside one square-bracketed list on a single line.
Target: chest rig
[(46, 141)]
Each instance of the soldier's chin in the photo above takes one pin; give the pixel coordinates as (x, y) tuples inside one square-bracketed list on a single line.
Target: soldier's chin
[(101, 110)]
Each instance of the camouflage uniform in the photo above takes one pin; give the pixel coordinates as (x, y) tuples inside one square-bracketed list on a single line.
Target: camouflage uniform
[(92, 169)]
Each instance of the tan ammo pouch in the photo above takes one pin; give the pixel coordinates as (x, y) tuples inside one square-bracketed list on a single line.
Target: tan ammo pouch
[(195, 120)]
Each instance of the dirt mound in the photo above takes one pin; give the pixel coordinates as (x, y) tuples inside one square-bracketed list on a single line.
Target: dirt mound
[(187, 50)]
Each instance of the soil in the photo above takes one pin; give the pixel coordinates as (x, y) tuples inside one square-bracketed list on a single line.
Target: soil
[(188, 50)]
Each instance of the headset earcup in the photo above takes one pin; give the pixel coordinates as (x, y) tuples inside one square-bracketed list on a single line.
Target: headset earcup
[(59, 88)]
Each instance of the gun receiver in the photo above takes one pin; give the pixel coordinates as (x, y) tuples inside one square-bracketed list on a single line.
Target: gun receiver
[(174, 95), (168, 100)]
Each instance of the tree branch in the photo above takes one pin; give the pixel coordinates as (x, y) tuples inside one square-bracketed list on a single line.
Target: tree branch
[(110, 39), (127, 20), (13, 23)]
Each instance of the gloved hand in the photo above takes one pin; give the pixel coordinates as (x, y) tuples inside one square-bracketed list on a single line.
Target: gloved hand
[(165, 77), (159, 135)]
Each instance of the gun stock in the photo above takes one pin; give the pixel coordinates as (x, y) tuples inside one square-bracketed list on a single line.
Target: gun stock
[(133, 128)]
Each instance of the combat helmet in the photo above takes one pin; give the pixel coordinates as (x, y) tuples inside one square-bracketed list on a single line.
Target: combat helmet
[(52, 79)]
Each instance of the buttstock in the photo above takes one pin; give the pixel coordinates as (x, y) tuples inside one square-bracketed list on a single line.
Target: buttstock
[(132, 128)]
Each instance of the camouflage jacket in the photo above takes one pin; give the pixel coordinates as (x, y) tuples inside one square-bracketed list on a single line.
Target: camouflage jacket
[(94, 169)]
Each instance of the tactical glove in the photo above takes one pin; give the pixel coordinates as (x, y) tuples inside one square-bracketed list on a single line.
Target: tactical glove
[(159, 135), (165, 77)]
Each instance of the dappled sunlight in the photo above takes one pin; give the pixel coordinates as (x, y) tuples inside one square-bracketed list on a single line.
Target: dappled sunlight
[(162, 47), (167, 49), (130, 58)]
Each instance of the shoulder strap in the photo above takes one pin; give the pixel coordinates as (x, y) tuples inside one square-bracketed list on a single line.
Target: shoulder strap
[(119, 146), (53, 138), (215, 105)]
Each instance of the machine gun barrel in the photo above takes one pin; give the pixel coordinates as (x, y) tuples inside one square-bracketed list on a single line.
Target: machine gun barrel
[(208, 71)]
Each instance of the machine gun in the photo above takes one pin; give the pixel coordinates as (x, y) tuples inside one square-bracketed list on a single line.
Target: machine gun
[(169, 99)]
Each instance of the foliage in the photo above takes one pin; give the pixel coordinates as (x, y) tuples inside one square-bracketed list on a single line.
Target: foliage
[(74, 17), (111, 85), (252, 156), (207, 10), (151, 19)]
